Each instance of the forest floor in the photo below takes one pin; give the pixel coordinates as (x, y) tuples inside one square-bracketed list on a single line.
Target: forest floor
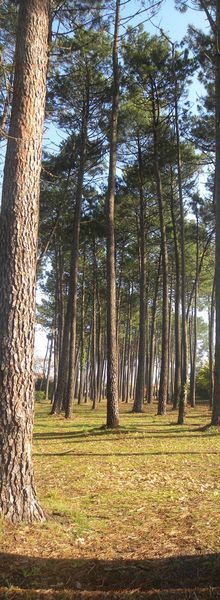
[(132, 514)]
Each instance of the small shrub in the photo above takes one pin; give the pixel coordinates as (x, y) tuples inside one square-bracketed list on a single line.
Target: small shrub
[(39, 396), (203, 387)]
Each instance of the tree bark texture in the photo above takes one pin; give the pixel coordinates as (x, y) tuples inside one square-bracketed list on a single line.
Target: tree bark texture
[(192, 395), (152, 335), (216, 393), (112, 351), (184, 347), (140, 383), (211, 342), (164, 257), (177, 372), (18, 246)]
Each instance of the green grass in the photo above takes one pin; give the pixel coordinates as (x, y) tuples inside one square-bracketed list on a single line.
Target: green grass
[(149, 491)]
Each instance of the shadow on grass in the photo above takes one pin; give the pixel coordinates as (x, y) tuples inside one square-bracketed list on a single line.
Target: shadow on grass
[(126, 454), (175, 572), (77, 437)]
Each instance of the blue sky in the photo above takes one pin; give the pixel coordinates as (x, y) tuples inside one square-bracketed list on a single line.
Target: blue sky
[(168, 18)]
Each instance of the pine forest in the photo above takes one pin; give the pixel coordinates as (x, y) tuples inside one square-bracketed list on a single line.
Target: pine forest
[(110, 255)]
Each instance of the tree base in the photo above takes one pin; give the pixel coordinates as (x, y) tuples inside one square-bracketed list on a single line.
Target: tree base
[(22, 512)]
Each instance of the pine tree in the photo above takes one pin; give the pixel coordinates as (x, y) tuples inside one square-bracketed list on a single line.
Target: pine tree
[(18, 244)]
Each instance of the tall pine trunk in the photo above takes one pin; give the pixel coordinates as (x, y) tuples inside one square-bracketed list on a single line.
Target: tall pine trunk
[(211, 342), (164, 257), (140, 383), (192, 395), (216, 393), (112, 351), (18, 245), (184, 370), (177, 372), (152, 335), (82, 333)]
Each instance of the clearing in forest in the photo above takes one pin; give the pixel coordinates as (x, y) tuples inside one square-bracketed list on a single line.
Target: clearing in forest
[(131, 514)]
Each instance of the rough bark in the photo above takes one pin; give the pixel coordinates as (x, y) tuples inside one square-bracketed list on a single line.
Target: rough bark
[(169, 396), (112, 353), (192, 395), (94, 395), (216, 393), (177, 373), (152, 335), (164, 256), (184, 372), (140, 383), (18, 246), (211, 342), (82, 333)]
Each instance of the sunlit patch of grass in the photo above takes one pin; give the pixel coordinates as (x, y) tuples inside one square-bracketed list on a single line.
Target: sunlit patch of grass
[(150, 488)]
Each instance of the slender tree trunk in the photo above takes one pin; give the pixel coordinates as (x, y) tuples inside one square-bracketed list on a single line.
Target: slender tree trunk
[(192, 348), (152, 335), (216, 393), (184, 371), (123, 364), (88, 368), (49, 366), (164, 255), (169, 339), (112, 353), (61, 383), (43, 378), (127, 397), (140, 383), (99, 346), (192, 398), (211, 342), (82, 333), (61, 299), (177, 375), (18, 248), (94, 333), (146, 387)]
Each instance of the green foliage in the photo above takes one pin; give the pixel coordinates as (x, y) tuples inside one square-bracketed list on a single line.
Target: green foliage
[(39, 395), (203, 382)]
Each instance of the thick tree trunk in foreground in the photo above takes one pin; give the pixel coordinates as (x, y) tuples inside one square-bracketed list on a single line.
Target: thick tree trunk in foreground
[(216, 394), (112, 352), (18, 242)]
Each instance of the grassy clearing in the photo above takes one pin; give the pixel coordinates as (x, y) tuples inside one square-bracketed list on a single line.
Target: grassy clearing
[(132, 513)]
